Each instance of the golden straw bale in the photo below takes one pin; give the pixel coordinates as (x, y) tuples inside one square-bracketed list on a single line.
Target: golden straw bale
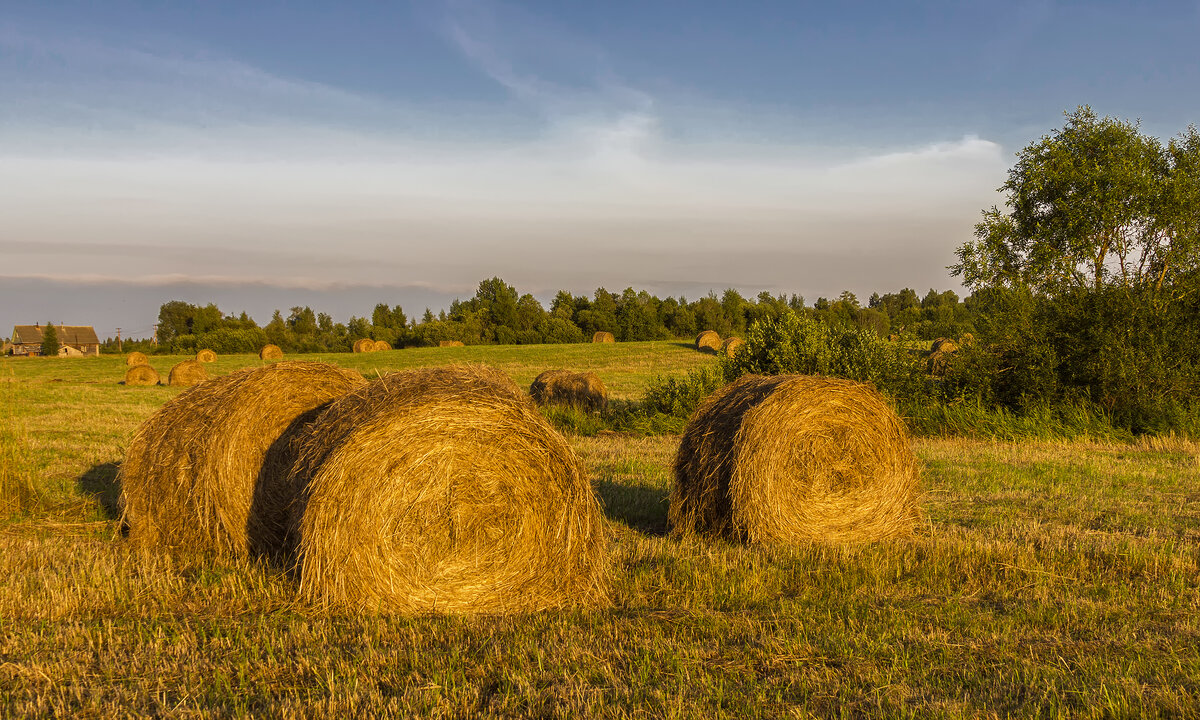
[(563, 387), (270, 352), (444, 490), (793, 458), (141, 375), (135, 358), (194, 476), (731, 345), (450, 343), (708, 341), (944, 345), (364, 345), (603, 337), (186, 373), (206, 356), (381, 345)]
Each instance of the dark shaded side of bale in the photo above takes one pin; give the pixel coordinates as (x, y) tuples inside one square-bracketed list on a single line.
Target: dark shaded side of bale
[(938, 363), (270, 352), (708, 341), (136, 358), (193, 477), (730, 346), (206, 356), (791, 459), (380, 346), (364, 345), (450, 343), (444, 490), (186, 373), (603, 337), (575, 389), (141, 375)]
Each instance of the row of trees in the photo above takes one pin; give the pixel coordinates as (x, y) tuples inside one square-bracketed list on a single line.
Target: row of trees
[(497, 313)]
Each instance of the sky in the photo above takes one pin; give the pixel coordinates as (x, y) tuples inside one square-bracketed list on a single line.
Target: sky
[(271, 154)]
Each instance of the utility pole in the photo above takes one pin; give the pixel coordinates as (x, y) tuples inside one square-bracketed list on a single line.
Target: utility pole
[(118, 339), (154, 337)]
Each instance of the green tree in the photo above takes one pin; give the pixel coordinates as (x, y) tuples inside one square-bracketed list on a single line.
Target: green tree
[(49, 340)]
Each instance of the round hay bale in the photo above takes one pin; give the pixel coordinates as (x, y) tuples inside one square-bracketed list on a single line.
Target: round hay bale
[(603, 337), (792, 458), (136, 358), (270, 352), (186, 373), (381, 345), (206, 356), (944, 345), (141, 375), (708, 341), (195, 475), (444, 490), (730, 346), (575, 389), (450, 343), (364, 345)]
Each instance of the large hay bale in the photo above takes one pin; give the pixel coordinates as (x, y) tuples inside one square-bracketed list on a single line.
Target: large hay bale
[(364, 345), (270, 352), (444, 490), (380, 346), (603, 337), (708, 341), (450, 343), (794, 458), (575, 389), (136, 358), (141, 375), (187, 373), (206, 356), (730, 346), (944, 345), (194, 476)]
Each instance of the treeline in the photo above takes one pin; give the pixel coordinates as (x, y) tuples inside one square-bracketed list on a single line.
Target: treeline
[(498, 314)]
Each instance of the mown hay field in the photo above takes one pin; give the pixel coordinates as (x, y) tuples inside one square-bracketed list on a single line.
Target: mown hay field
[(1046, 579)]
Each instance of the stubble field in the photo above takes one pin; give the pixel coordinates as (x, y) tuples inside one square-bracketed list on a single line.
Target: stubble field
[(1047, 580)]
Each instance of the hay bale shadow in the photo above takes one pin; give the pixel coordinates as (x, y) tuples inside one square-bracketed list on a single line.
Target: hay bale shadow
[(640, 507), (100, 482)]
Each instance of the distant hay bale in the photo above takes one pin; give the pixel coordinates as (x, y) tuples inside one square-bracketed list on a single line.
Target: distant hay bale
[(603, 337), (206, 356), (186, 373), (893, 338), (364, 345), (731, 345), (708, 341), (194, 477), (791, 459), (141, 375), (944, 345), (444, 490), (966, 339), (575, 389), (135, 358), (270, 352), (450, 343), (381, 345)]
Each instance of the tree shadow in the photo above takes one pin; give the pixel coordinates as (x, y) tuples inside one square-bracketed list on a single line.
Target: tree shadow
[(100, 482), (640, 507), (688, 345)]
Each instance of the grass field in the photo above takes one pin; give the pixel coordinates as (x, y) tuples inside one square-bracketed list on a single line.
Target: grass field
[(1049, 579)]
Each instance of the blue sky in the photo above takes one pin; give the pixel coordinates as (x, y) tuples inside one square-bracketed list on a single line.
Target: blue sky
[(263, 155)]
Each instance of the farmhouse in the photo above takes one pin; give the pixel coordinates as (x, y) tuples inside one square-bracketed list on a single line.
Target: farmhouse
[(72, 340)]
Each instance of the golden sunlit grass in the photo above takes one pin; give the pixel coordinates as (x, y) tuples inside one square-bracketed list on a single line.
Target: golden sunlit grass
[(1048, 579)]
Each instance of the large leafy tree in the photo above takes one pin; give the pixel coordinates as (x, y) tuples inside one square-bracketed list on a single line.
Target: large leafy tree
[(49, 340), (1094, 204)]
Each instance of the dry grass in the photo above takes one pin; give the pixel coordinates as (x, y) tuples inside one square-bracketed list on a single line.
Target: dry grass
[(206, 356), (194, 476), (187, 373), (135, 358), (603, 336), (141, 375), (444, 490), (270, 352), (791, 459), (583, 390), (708, 341)]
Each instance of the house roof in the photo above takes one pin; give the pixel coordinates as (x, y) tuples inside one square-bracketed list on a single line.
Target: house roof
[(67, 335)]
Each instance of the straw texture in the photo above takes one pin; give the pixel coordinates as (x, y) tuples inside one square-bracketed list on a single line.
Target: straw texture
[(141, 375)]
